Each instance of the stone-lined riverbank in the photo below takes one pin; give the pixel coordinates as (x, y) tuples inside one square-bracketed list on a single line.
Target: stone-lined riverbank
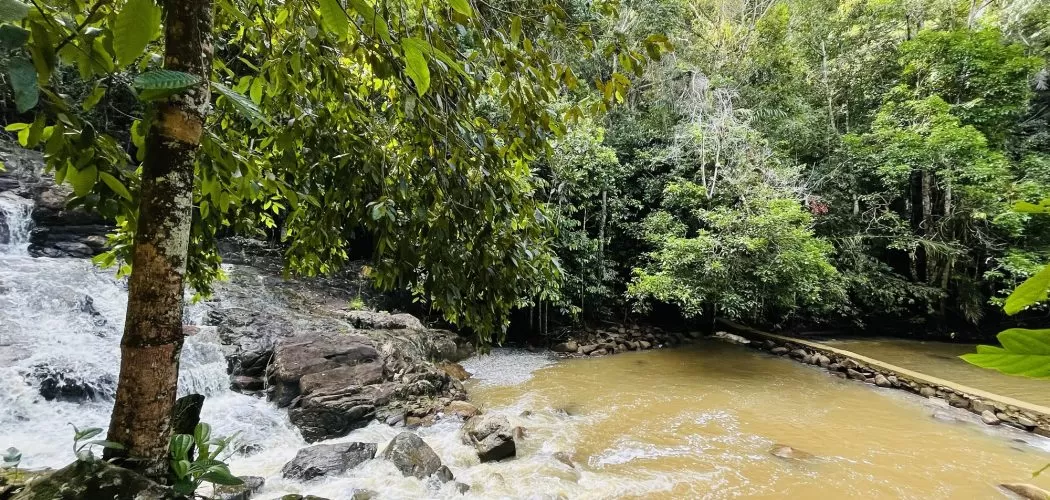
[(994, 409)]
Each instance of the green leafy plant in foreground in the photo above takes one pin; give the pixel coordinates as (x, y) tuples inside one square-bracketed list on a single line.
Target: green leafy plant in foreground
[(82, 443), (190, 472)]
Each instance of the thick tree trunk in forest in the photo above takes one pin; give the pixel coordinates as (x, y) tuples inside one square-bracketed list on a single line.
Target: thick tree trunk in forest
[(152, 341)]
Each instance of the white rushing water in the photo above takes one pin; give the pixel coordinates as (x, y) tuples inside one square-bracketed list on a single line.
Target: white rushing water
[(66, 316)]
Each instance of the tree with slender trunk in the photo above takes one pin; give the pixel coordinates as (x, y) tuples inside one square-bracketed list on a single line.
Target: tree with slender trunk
[(153, 336)]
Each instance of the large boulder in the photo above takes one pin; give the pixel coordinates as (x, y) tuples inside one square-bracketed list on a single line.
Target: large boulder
[(412, 456), (69, 384), (324, 459), (371, 320), (491, 436), (93, 479), (299, 357)]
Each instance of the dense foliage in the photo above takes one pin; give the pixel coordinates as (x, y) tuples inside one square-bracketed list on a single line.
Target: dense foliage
[(791, 162)]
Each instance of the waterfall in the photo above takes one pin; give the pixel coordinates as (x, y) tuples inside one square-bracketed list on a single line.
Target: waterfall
[(60, 325)]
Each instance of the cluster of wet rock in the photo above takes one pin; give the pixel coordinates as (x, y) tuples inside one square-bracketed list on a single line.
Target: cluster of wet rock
[(622, 338), (991, 412)]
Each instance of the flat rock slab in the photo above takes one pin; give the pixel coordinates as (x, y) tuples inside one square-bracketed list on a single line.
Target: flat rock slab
[(325, 459)]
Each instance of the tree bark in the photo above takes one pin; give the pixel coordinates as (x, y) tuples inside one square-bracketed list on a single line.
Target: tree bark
[(153, 336)]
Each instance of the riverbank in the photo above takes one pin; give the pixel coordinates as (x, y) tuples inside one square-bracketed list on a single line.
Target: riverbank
[(993, 409)]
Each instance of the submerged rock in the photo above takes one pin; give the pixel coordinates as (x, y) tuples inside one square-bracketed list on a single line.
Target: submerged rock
[(93, 479), (67, 384), (324, 459), (785, 451), (492, 437), (455, 370), (412, 456), (461, 409)]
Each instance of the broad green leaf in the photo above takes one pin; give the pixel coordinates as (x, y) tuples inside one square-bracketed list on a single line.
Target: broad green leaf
[(180, 446), (515, 30), (180, 467), (416, 63), (462, 6), (1024, 353), (115, 185), (83, 181), (220, 475), (1032, 291), (184, 487), (13, 10), (256, 90), (165, 79), (23, 79), (90, 432), (12, 37), (333, 18), (136, 24), (242, 104), (202, 433)]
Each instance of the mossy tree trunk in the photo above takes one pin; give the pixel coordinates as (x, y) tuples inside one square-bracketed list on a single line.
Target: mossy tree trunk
[(153, 336)]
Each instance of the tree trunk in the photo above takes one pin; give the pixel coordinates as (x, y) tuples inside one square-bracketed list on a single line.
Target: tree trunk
[(153, 336)]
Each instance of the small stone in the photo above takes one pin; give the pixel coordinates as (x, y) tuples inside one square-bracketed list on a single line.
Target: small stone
[(979, 407), (364, 495), (587, 349), (462, 488), (882, 381), (893, 381), (444, 474), (1026, 422), (461, 409), (823, 361), (779, 350), (1002, 416), (785, 451), (854, 374), (644, 345), (244, 383), (252, 484), (927, 391), (958, 401), (599, 352), (798, 354), (835, 367), (412, 456), (850, 364), (989, 418), (565, 458), (456, 370)]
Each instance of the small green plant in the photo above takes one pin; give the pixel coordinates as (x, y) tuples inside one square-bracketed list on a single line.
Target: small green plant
[(11, 458), (357, 303), (82, 443), (190, 472)]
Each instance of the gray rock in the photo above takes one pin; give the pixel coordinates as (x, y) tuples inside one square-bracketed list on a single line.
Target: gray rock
[(785, 451), (587, 349), (893, 381), (364, 494), (979, 407), (854, 374), (324, 459), (412, 456), (565, 458), (462, 488), (958, 401), (644, 344), (371, 320), (91, 480), (928, 392), (252, 484), (566, 347), (779, 350), (1025, 422), (989, 418), (444, 475), (882, 381), (599, 352), (294, 359), (492, 437), (799, 354)]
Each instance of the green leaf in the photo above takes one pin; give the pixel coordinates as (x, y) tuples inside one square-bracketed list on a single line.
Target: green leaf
[(82, 434), (202, 433), (1024, 353), (1032, 291), (334, 19), (256, 90), (242, 104), (180, 446), (107, 444), (462, 6), (13, 10), (115, 185), (184, 487), (416, 63), (12, 37), (83, 182), (515, 30), (220, 475), (136, 24), (93, 98), (181, 468), (23, 78), (374, 24), (165, 79)]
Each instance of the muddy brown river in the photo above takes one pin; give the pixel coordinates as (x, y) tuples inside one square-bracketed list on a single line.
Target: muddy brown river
[(699, 422)]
